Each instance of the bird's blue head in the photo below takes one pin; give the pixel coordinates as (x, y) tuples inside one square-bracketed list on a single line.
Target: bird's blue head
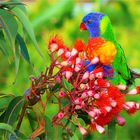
[(92, 23)]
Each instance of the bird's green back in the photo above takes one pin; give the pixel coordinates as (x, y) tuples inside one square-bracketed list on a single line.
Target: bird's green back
[(122, 72)]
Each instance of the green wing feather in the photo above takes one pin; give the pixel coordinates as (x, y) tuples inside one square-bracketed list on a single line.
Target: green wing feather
[(121, 68), (122, 72)]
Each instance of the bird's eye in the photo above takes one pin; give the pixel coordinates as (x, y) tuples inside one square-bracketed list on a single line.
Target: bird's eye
[(88, 22)]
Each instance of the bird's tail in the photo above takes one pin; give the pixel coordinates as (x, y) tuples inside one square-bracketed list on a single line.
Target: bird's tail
[(135, 74)]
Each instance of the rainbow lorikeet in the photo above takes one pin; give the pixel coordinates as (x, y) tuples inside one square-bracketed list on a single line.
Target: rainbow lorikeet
[(102, 43)]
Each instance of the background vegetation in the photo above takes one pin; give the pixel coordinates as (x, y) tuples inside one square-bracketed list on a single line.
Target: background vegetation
[(63, 17)]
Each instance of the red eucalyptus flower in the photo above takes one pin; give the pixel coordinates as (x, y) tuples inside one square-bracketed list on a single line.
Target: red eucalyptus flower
[(92, 95)]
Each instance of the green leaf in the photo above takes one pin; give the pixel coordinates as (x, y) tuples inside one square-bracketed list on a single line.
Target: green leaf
[(68, 85), (13, 110), (23, 48), (3, 47), (9, 5), (20, 5), (6, 3), (74, 137), (78, 120), (32, 119), (9, 25), (20, 136), (55, 87), (7, 127), (4, 101), (27, 25), (2, 114), (17, 58), (52, 132), (49, 128)]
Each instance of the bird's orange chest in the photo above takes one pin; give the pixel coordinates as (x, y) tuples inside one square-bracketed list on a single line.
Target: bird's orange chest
[(93, 46), (101, 48)]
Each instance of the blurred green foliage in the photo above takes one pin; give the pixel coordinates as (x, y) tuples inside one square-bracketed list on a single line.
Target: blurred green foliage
[(63, 17)]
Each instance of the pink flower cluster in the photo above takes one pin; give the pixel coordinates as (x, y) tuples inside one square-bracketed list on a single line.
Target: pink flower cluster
[(91, 97)]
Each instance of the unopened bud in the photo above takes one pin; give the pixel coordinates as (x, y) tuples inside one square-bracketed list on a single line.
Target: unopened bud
[(61, 94), (67, 54), (99, 75), (108, 108), (77, 68), (86, 75), (68, 75), (78, 60), (100, 129), (113, 103), (95, 60), (84, 95), (132, 92), (60, 115), (120, 120), (122, 87), (78, 101), (83, 130), (64, 63), (60, 52), (92, 114), (53, 47), (97, 96), (74, 52)]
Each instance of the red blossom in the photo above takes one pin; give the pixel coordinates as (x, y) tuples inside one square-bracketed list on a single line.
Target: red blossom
[(56, 40), (92, 93), (79, 45)]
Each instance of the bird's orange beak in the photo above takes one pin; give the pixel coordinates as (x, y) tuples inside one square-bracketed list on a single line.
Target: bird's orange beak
[(83, 26)]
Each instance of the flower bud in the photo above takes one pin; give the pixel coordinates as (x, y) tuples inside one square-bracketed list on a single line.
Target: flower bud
[(84, 95), (83, 86), (108, 108), (78, 107), (99, 128), (67, 54), (91, 76), (78, 60), (97, 96), (95, 60), (85, 76), (64, 63), (78, 101), (74, 52), (122, 87), (138, 106), (132, 92), (57, 79), (113, 103), (92, 113), (61, 94), (130, 107), (53, 47), (77, 68), (99, 75), (60, 115), (90, 93), (60, 52), (68, 75), (120, 120), (83, 130)]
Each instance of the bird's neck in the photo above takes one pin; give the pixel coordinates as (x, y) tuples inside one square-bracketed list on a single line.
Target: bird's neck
[(107, 34), (94, 31)]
